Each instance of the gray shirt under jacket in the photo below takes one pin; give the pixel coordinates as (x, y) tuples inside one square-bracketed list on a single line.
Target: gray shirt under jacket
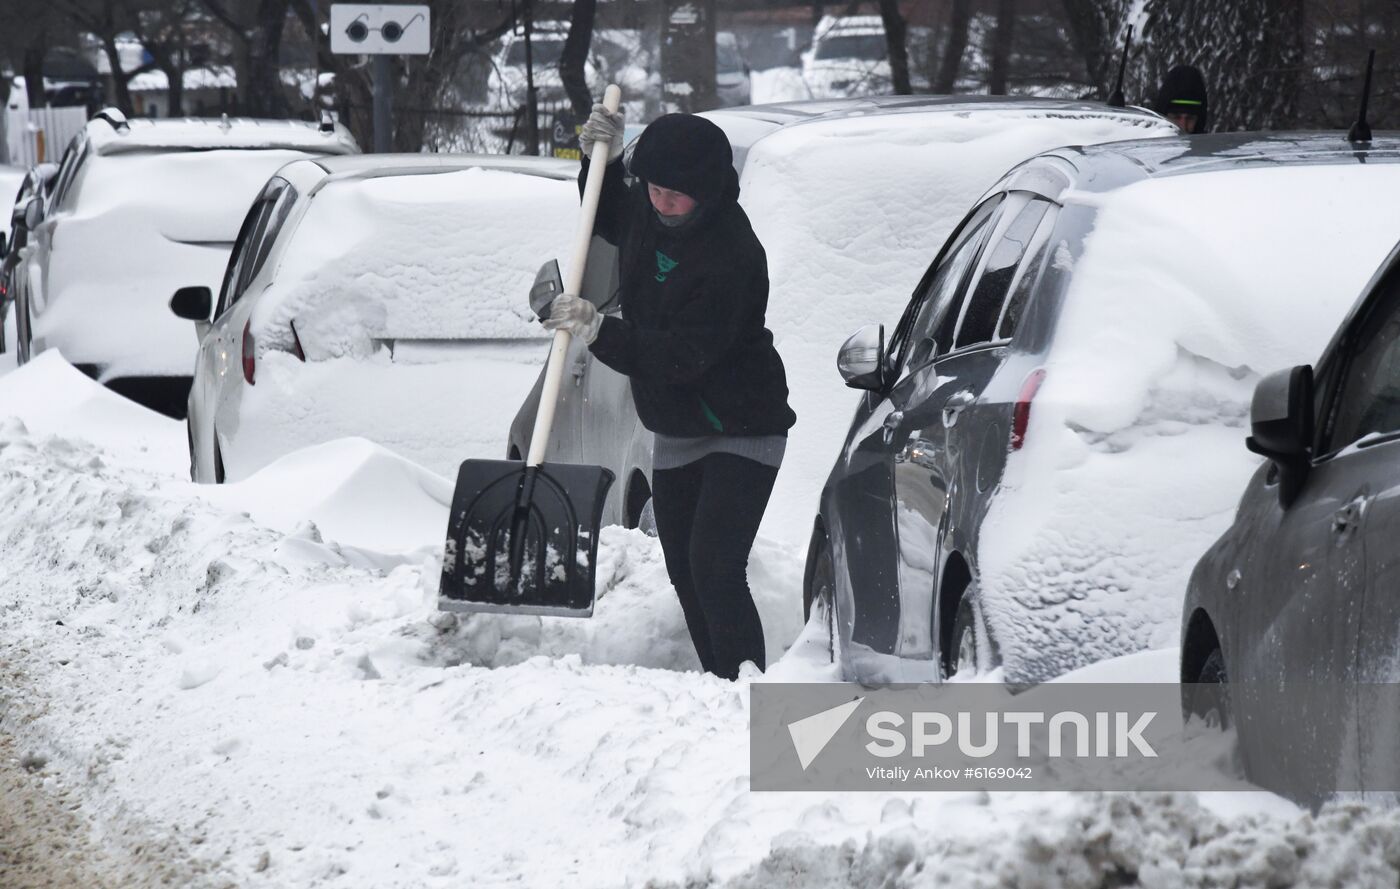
[(672, 452)]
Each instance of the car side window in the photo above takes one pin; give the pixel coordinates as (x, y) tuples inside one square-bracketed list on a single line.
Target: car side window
[(982, 308), (1027, 275), (940, 297), (238, 259), (63, 189), (279, 197), (1368, 399)]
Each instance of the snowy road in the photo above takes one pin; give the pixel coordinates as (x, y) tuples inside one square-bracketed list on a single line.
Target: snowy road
[(276, 708)]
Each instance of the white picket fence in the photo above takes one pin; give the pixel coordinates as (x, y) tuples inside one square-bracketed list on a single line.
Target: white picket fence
[(40, 135)]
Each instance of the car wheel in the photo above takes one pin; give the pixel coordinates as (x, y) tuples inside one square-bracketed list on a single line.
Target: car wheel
[(969, 647), (218, 462), (821, 597), (1209, 697)]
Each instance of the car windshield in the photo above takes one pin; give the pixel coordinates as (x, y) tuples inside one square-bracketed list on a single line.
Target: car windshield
[(871, 47), (545, 50)]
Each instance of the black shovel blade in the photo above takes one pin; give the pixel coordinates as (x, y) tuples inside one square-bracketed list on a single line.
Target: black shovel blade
[(523, 540)]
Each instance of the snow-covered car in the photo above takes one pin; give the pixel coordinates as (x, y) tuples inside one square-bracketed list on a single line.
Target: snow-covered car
[(145, 206), (849, 56), (1291, 618), (1050, 436), (847, 196), (379, 296), (614, 56)]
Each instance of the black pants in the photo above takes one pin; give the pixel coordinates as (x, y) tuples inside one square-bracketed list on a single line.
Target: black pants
[(707, 516)]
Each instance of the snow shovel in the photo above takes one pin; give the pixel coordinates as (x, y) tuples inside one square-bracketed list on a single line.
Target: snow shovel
[(522, 538)]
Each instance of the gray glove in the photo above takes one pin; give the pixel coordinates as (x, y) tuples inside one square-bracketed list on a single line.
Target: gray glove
[(578, 316), (603, 126)]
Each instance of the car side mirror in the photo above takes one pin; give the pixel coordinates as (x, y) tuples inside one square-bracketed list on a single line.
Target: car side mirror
[(1281, 423), (17, 214), (861, 358), (549, 283), (4, 245), (192, 303), (33, 213)]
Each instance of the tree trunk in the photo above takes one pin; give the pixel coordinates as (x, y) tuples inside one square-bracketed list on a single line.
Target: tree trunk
[(1094, 26), (1001, 47), (954, 47), (175, 94), (264, 96), (120, 94), (896, 38), (34, 71), (575, 55)]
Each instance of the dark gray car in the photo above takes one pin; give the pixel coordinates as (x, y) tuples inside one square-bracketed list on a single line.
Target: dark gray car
[(1295, 609), (895, 561)]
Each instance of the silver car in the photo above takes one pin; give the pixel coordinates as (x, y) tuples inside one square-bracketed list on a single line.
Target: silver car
[(379, 296)]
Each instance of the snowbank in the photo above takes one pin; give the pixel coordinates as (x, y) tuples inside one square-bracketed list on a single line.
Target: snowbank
[(1186, 294), (432, 256), (777, 85), (52, 397), (851, 213)]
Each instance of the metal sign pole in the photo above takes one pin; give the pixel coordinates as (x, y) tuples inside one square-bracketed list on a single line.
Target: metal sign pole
[(382, 31), (383, 104)]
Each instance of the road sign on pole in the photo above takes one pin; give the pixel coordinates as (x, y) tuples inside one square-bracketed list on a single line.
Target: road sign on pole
[(369, 29), (380, 30)]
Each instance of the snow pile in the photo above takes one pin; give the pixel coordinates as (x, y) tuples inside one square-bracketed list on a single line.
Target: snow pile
[(1135, 460), (846, 247), (283, 712), (432, 256), (55, 398)]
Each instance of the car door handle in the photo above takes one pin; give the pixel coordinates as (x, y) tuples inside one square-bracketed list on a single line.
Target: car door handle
[(580, 368), (891, 424), (1346, 519), (955, 405)]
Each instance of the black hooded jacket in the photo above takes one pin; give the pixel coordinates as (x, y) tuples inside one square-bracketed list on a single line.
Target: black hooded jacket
[(691, 337)]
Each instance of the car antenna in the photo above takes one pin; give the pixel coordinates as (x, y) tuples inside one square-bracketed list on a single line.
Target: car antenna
[(1361, 130), (1116, 100)]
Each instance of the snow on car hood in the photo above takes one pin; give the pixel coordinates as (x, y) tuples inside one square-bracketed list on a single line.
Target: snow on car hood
[(851, 213), (432, 256), (1189, 289)]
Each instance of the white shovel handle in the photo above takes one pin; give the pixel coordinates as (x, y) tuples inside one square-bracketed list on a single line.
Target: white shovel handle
[(573, 283)]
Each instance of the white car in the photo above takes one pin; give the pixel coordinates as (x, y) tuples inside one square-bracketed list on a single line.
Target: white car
[(615, 56), (10, 180), (733, 86), (849, 57), (380, 296), (139, 208)]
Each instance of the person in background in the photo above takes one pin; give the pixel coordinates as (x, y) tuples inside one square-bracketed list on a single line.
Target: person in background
[(1182, 100), (691, 337)]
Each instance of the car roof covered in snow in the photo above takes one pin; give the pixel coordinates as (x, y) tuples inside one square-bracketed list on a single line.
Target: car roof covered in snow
[(118, 135), (311, 174), (1110, 166), (827, 109)]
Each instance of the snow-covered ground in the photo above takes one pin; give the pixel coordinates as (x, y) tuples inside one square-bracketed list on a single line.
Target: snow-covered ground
[(256, 680)]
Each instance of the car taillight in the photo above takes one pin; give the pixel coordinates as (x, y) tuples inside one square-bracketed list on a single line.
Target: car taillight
[(248, 356), (296, 343), (1021, 415)]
